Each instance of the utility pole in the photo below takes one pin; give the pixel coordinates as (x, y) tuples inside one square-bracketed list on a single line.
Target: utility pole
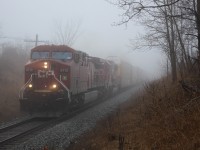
[(36, 41), (167, 67)]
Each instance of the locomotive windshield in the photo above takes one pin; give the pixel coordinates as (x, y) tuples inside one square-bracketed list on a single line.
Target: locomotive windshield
[(62, 55), (54, 55), (39, 55)]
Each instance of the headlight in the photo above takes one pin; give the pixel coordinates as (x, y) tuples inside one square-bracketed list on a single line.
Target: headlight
[(30, 85), (54, 86)]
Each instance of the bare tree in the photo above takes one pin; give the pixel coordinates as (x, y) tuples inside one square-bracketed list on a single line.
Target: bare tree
[(137, 8), (167, 21), (67, 33)]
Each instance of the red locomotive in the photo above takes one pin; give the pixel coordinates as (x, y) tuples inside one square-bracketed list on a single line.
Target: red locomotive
[(57, 76)]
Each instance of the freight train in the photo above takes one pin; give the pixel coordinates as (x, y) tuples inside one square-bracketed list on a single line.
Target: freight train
[(58, 76)]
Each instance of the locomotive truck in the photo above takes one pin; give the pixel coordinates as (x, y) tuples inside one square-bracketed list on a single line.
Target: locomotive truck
[(58, 76)]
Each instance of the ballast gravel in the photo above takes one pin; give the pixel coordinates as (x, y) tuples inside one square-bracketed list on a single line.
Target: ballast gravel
[(60, 136)]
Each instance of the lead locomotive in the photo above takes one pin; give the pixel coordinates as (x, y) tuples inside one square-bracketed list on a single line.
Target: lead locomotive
[(57, 76)]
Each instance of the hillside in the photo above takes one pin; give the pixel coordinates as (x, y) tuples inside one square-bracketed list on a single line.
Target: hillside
[(162, 116)]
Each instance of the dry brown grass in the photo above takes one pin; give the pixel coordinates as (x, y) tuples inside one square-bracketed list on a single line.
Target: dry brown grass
[(161, 117), (9, 103)]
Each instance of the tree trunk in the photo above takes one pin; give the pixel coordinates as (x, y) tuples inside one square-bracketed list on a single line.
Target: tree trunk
[(182, 45), (197, 16), (198, 24), (170, 40)]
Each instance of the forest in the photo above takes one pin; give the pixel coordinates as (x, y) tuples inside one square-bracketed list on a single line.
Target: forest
[(173, 26)]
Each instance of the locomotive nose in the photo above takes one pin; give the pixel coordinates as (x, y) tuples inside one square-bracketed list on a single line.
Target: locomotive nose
[(47, 82)]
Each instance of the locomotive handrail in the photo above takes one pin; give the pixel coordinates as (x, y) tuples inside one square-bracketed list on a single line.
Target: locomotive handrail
[(64, 87), (21, 93)]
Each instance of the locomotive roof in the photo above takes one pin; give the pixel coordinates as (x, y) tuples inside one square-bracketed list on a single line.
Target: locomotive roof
[(53, 48)]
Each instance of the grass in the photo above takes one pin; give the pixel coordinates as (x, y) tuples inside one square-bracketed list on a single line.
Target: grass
[(162, 116), (9, 102)]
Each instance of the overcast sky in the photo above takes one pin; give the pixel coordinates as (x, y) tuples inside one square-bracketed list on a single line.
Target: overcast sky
[(97, 36)]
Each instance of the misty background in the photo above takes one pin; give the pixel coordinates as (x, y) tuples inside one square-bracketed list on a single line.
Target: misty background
[(92, 21)]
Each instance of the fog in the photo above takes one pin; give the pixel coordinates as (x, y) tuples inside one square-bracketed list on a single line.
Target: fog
[(23, 19)]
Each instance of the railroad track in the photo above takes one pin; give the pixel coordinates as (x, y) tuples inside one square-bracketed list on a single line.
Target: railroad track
[(22, 131), (11, 133), (17, 133)]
